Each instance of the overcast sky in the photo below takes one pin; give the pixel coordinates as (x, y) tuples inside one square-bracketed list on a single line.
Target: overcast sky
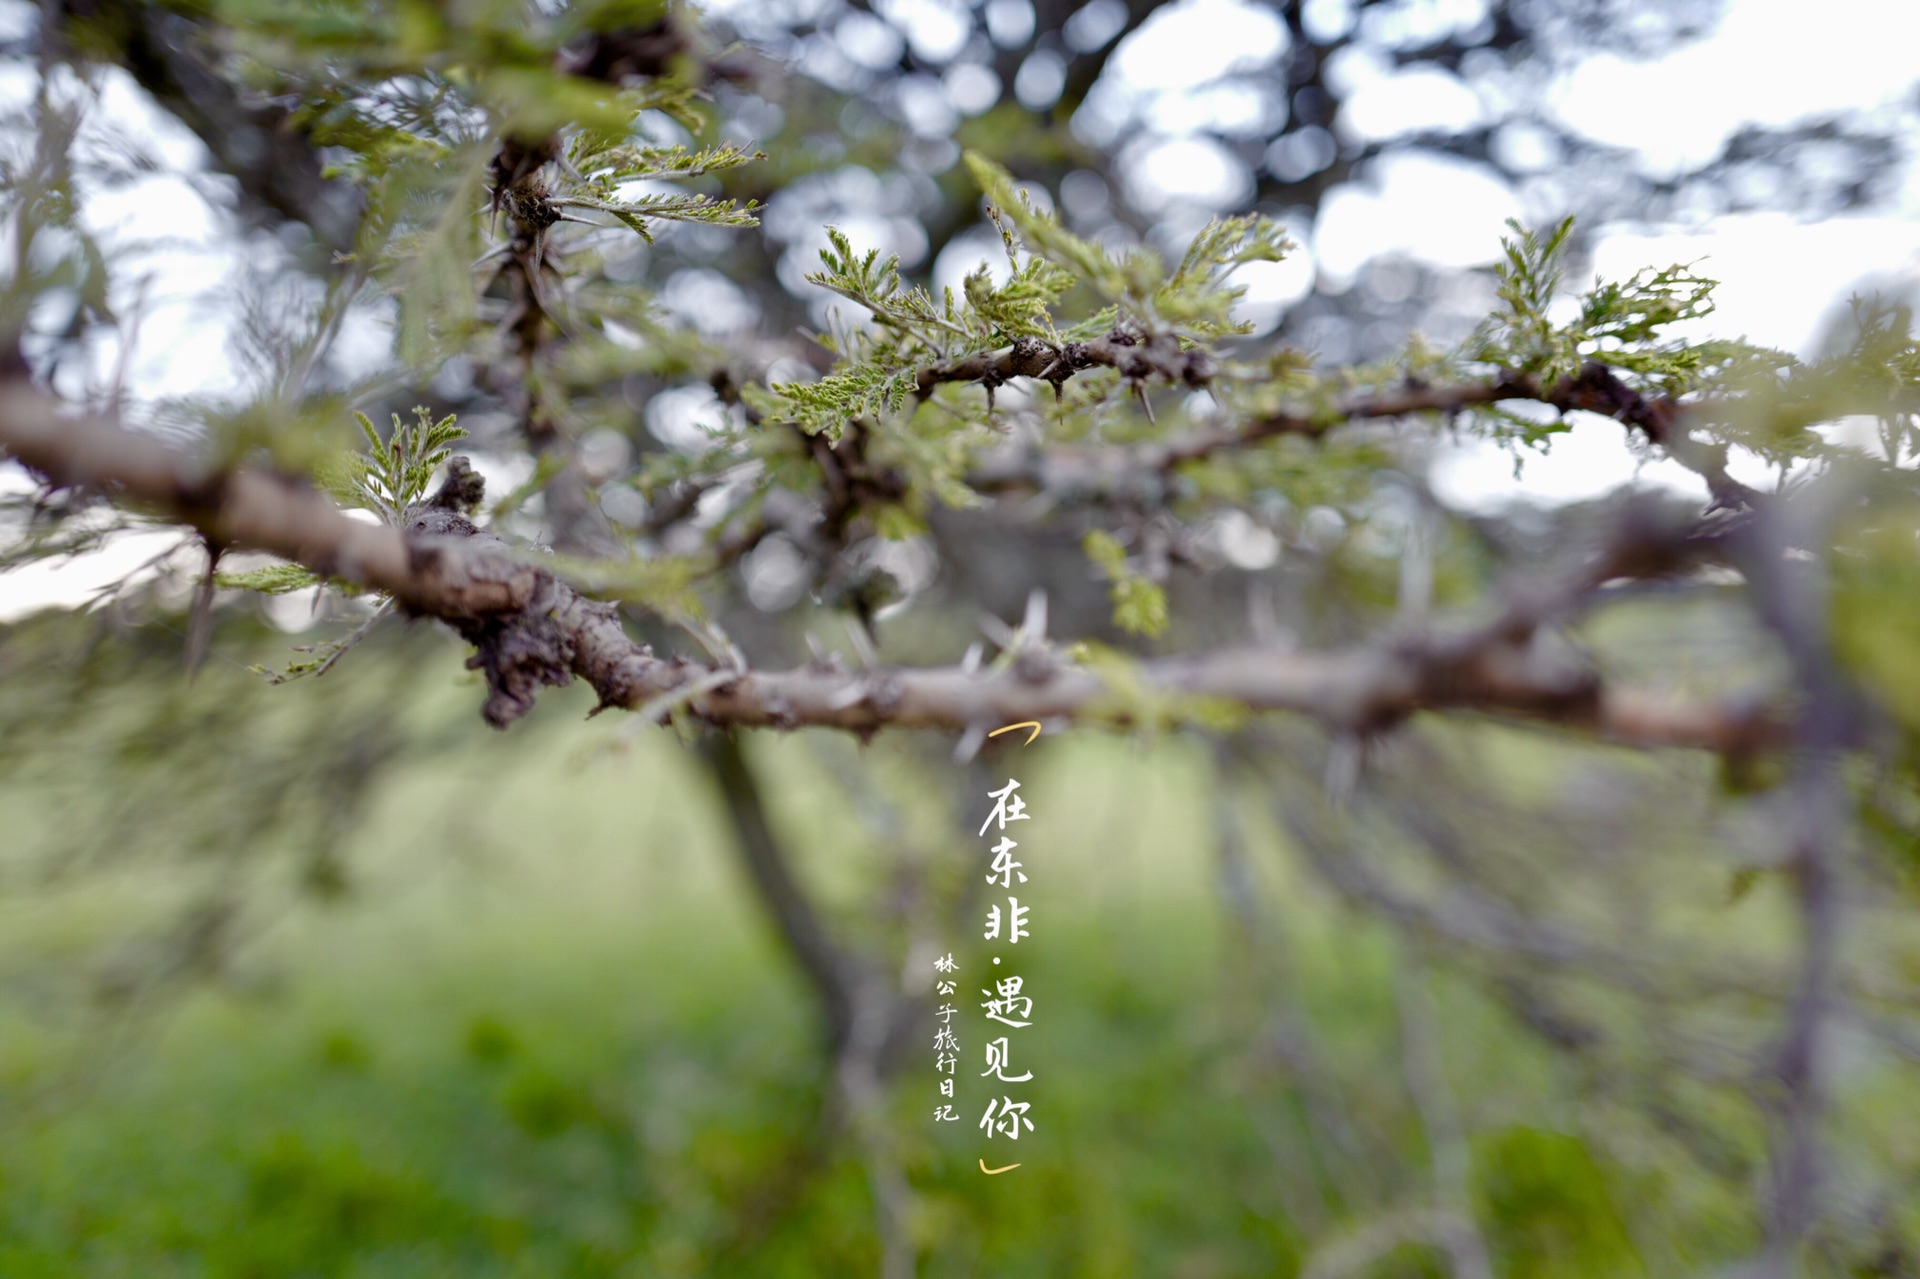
[(1770, 62)]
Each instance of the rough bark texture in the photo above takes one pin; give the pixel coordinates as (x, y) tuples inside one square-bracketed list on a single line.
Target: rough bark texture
[(531, 630)]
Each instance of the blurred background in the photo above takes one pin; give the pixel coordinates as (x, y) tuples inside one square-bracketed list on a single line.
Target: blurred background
[(324, 978)]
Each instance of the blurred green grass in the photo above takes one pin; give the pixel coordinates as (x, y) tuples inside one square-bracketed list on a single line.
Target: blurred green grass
[(548, 1032)]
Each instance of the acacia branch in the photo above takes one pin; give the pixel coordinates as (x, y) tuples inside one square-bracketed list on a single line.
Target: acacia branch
[(1136, 358), (1145, 467), (531, 629), (1143, 472)]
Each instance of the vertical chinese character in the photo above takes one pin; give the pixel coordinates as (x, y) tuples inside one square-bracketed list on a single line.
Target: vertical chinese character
[(1016, 920), (946, 1045), (998, 1059), (1005, 869), (1008, 807), (1012, 1115), (1006, 921), (1010, 1005)]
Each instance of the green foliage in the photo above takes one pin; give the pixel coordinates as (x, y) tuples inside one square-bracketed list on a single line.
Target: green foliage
[(828, 405), (877, 372), (542, 1105), (526, 1150), (897, 523), (57, 261), (1528, 283), (1139, 605), (1191, 302), (1148, 709), (277, 783), (417, 101), (269, 579), (1551, 1207), (557, 1090), (1620, 324), (1875, 625), (1872, 370), (1020, 307), (635, 213), (390, 479), (421, 235), (490, 1041), (327, 1200), (607, 162), (393, 474)]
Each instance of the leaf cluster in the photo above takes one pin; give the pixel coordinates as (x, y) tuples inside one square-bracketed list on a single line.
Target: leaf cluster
[(1621, 324), (1192, 301), (1139, 604), (912, 331), (609, 166), (269, 579), (392, 476)]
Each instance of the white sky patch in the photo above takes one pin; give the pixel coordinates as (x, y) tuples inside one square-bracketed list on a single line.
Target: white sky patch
[(163, 139), (365, 340), (1771, 62), (1009, 22), (1093, 24), (1196, 169), (17, 20), (709, 301), (937, 29), (1235, 108), (1271, 287), (926, 106), (971, 87), (1040, 79), (1412, 102), (67, 582), (964, 254), (869, 41), (1591, 459), (151, 207), (72, 580), (1186, 45), (685, 418), (1437, 209), (1780, 280)]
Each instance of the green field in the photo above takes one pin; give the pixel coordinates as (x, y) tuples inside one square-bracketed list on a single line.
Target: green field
[(532, 1022)]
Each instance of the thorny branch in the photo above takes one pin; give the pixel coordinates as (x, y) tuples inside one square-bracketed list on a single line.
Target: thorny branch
[(533, 630), (1105, 469), (1145, 474)]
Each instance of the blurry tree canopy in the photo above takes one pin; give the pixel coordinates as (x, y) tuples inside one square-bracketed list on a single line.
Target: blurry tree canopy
[(1073, 488)]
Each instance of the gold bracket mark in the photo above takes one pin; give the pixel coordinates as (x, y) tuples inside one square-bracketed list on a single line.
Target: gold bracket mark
[(1034, 724), (983, 1163)]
